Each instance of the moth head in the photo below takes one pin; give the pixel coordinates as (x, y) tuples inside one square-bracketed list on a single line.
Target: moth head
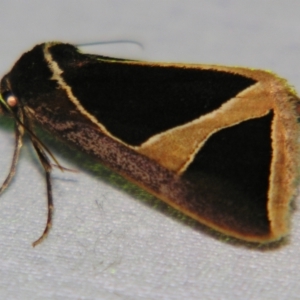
[(8, 101)]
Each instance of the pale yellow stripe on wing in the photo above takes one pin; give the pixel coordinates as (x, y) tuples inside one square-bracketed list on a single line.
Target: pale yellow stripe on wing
[(175, 149)]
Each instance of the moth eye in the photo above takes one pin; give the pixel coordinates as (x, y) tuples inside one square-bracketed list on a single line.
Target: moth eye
[(11, 100)]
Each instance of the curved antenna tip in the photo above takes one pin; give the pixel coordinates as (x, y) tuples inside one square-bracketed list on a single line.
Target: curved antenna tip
[(110, 42)]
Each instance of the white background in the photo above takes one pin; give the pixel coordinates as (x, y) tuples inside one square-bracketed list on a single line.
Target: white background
[(109, 240)]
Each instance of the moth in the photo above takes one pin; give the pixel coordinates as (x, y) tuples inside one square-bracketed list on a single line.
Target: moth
[(217, 143)]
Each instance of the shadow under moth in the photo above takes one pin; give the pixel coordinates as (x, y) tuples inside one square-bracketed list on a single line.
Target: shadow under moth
[(217, 143)]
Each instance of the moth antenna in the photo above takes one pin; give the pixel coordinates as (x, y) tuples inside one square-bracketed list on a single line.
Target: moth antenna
[(111, 42)]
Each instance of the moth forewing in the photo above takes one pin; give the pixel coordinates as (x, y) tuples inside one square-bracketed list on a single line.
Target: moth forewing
[(218, 143)]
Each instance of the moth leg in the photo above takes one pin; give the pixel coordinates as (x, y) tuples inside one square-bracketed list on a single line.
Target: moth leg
[(48, 168), (19, 132)]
